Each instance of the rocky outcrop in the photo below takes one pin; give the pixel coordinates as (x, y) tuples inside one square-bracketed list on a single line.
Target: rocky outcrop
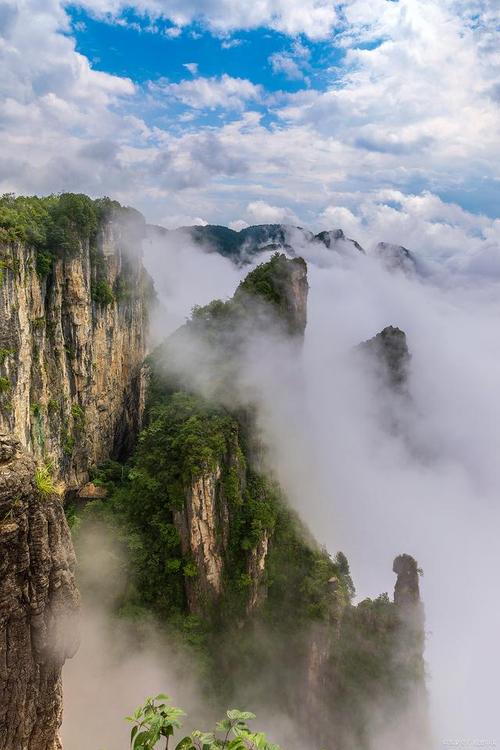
[(389, 353), (204, 525), (72, 345), (38, 604), (199, 525), (293, 286), (256, 570), (407, 589), (336, 240), (365, 665), (396, 258), (274, 293)]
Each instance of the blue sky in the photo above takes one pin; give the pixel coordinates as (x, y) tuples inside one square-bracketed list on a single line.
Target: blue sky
[(131, 50), (377, 116)]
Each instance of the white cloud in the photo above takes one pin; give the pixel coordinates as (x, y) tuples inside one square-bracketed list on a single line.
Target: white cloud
[(399, 119), (314, 18), (283, 62), (291, 62), (210, 93), (230, 43), (449, 239), (173, 32), (238, 225), (192, 67), (402, 103), (261, 212)]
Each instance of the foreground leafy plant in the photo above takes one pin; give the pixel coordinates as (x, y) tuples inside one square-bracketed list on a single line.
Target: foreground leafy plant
[(155, 719), (152, 721)]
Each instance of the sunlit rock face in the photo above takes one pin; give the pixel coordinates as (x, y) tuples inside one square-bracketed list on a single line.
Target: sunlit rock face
[(38, 604), (71, 356)]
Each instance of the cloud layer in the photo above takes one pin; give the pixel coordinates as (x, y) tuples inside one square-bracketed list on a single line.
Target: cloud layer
[(405, 124)]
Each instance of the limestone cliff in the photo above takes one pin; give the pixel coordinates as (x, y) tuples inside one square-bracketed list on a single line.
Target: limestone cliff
[(38, 604), (72, 344), (199, 524)]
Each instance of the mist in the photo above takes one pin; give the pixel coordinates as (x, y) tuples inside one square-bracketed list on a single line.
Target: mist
[(185, 275), (119, 662), (430, 489)]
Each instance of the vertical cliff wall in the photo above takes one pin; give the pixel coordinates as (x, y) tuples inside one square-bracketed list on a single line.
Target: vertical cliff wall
[(38, 604), (72, 343), (74, 302)]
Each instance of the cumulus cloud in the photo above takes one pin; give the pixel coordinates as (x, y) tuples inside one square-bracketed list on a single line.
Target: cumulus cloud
[(395, 117), (401, 102), (210, 93), (261, 212), (291, 62), (454, 241), (315, 18), (283, 62)]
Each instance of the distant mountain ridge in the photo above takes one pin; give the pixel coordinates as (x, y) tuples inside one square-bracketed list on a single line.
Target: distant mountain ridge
[(241, 246)]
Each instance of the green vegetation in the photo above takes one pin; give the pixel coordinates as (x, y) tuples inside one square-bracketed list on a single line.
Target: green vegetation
[(5, 353), (270, 282), (36, 410), (78, 414), (233, 244), (37, 426), (5, 385), (102, 293), (68, 443), (156, 720), (53, 407), (56, 225), (44, 482)]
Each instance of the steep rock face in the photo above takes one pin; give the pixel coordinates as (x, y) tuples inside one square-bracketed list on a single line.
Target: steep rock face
[(71, 350), (206, 527), (199, 524), (365, 665), (390, 354), (292, 287), (280, 285), (38, 605)]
